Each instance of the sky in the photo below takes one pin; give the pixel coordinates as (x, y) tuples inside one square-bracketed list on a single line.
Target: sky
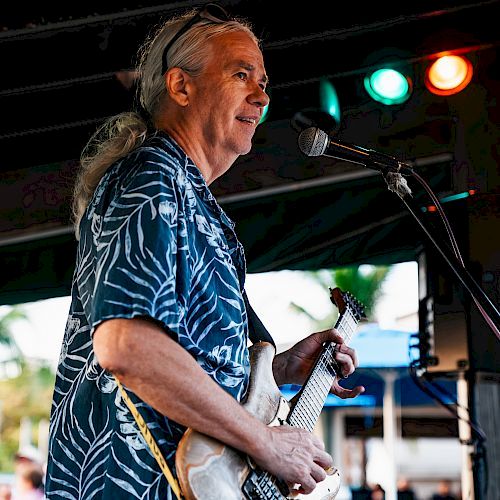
[(40, 336)]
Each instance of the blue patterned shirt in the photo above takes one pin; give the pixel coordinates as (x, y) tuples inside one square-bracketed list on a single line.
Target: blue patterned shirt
[(154, 243)]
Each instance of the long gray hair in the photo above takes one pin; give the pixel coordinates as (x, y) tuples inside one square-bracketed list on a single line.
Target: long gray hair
[(124, 132)]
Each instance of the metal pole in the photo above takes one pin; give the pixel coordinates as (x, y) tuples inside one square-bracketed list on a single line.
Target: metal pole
[(390, 433), (465, 435), (337, 436)]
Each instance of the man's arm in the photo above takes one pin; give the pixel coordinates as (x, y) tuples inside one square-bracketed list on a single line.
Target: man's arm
[(163, 374)]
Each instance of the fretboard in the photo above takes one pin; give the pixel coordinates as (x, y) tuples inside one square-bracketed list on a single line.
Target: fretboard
[(311, 400)]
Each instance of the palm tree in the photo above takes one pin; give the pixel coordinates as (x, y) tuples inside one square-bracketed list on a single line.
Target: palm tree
[(364, 285), (7, 340)]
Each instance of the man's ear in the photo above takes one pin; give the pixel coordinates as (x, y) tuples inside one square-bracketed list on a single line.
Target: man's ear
[(177, 82)]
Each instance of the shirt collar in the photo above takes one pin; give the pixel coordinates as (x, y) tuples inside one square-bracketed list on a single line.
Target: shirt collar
[(161, 139)]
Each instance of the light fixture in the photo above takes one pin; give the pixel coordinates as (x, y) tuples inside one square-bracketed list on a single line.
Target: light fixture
[(388, 86), (324, 111), (448, 75), (328, 99), (265, 112)]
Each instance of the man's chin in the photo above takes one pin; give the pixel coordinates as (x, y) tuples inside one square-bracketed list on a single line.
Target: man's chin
[(246, 148)]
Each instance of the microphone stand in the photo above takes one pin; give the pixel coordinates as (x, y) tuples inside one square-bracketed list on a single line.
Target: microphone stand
[(473, 447), (460, 271)]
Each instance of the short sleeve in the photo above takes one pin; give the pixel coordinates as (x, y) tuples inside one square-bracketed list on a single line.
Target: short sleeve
[(141, 265)]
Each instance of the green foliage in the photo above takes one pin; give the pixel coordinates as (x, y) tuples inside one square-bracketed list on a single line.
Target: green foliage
[(28, 395), (364, 285), (6, 338)]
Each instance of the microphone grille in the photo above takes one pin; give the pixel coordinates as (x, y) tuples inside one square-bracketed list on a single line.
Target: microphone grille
[(313, 141)]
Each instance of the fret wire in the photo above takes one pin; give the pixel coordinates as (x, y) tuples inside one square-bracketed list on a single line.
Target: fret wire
[(312, 390), (322, 392), (305, 407), (307, 421), (319, 375), (318, 381), (319, 396), (348, 323), (312, 404), (300, 420), (341, 329), (293, 419), (312, 401), (347, 330), (327, 383), (308, 404), (321, 380), (322, 365), (304, 412), (327, 363), (352, 322)]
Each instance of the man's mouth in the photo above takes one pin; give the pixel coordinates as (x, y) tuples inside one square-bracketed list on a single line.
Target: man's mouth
[(247, 119)]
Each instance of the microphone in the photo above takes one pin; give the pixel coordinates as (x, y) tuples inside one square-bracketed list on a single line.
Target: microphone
[(315, 142)]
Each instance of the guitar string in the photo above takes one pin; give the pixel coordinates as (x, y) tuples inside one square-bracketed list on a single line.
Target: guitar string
[(322, 365), (317, 400), (310, 395)]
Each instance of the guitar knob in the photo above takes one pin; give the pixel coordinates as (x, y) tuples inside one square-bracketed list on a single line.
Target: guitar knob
[(331, 471)]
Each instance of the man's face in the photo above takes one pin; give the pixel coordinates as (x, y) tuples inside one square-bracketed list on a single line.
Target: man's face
[(229, 96)]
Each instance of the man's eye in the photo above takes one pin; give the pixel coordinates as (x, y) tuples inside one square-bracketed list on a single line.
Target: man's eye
[(241, 75)]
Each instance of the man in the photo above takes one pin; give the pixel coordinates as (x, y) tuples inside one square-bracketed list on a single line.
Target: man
[(444, 491), (29, 482), (157, 292), (29, 474)]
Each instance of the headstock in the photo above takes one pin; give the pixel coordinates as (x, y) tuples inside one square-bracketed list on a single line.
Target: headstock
[(346, 302)]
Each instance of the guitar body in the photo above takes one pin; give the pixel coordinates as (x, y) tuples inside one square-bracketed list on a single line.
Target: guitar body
[(209, 470)]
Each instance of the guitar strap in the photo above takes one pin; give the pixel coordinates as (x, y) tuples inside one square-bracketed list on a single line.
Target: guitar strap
[(257, 333), (256, 329), (150, 441)]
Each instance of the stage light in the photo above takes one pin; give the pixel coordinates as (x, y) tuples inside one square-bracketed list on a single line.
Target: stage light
[(329, 100), (388, 86), (265, 112), (448, 75), (323, 110), (451, 197)]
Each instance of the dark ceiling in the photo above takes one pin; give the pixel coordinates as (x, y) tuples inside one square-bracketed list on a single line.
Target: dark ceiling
[(60, 64), (62, 75)]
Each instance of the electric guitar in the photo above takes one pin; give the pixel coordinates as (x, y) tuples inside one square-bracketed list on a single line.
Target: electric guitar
[(209, 470)]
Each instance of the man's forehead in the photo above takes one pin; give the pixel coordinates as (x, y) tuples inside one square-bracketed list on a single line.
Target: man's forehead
[(248, 65), (239, 46)]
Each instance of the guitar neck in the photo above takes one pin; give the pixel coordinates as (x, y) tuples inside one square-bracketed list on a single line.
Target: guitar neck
[(312, 397)]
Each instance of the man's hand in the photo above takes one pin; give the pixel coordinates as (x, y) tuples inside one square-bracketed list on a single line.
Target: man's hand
[(293, 366), (294, 455)]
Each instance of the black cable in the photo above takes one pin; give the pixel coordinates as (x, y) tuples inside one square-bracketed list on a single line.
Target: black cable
[(456, 249), (488, 310), (428, 387)]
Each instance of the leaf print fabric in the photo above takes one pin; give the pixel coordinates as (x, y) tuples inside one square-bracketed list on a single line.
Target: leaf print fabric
[(155, 243)]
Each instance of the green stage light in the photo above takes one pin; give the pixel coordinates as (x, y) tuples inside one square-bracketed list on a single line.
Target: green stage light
[(388, 86), (329, 100), (265, 112)]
